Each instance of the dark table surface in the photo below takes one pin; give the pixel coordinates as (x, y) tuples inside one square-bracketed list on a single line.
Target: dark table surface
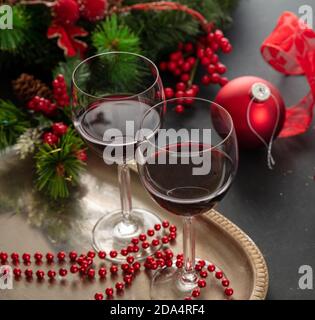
[(275, 207)]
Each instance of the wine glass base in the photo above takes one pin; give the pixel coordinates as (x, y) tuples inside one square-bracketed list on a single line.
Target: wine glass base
[(167, 284), (112, 232)]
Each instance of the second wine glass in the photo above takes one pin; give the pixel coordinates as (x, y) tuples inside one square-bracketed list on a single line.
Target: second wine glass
[(110, 94)]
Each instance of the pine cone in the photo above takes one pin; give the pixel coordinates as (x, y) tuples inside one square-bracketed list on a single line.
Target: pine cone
[(27, 87)]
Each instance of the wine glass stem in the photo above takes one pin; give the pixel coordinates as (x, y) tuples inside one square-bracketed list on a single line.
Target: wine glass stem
[(125, 191), (189, 276)]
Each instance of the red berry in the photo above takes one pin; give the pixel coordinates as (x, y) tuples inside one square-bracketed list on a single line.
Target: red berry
[(224, 42), (163, 66), (200, 53), (17, 272), (223, 81), (61, 256), (195, 88), (205, 80), (40, 274), (59, 128), (98, 296), (180, 86), (208, 52), (227, 49), (102, 272), (63, 272), (205, 61), (113, 254), (28, 273), (185, 77), (74, 269), (229, 292), (60, 78), (214, 46), (211, 68), (169, 93), (219, 274), (188, 47), (221, 68), (215, 78), (73, 256), (171, 66), (91, 273), (161, 262), (119, 286), (202, 283), (218, 35), (179, 108), (177, 72), (186, 67), (51, 274), (50, 138), (215, 59), (225, 282), (210, 37), (109, 292), (113, 269), (196, 293), (81, 155), (191, 60), (211, 267)]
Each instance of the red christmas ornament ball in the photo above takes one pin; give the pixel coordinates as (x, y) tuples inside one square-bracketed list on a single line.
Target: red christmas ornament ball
[(266, 114), (66, 12), (93, 10)]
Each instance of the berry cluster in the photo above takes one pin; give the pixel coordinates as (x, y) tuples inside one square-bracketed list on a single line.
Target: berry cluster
[(42, 105), (183, 63), (58, 130), (60, 91), (84, 264)]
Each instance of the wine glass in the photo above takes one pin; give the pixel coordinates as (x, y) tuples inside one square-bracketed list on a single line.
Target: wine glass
[(187, 166), (110, 94)]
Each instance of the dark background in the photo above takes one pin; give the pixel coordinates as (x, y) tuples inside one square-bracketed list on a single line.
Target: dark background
[(275, 207)]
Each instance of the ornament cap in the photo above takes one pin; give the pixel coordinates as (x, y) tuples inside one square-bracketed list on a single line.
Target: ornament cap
[(260, 91)]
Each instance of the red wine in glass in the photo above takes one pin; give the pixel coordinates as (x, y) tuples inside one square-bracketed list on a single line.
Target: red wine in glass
[(188, 194)]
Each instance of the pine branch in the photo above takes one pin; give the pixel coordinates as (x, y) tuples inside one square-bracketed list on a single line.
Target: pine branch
[(59, 168), (12, 123)]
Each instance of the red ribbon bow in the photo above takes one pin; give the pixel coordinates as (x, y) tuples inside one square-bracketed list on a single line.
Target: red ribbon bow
[(290, 49)]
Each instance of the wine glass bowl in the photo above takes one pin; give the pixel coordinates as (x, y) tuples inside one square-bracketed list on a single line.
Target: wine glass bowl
[(187, 166), (111, 92)]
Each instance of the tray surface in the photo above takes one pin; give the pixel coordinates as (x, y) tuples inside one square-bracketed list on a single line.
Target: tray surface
[(29, 223)]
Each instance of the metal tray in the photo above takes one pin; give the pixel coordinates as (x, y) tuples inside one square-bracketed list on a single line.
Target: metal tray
[(29, 222)]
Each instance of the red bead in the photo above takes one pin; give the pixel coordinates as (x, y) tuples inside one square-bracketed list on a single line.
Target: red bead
[(173, 228), (119, 286), (180, 86), (179, 264), (188, 47), (91, 273), (160, 262), (225, 282), (135, 248), (102, 272), (102, 254), (130, 270), (98, 296), (124, 266), (205, 79), (169, 255), (172, 236), (136, 265), (211, 68), (169, 93), (130, 259), (124, 252), (202, 283), (150, 232), (180, 256), (158, 254), (17, 272), (61, 256), (38, 256), (188, 298), (202, 262), (135, 240), (165, 224), (63, 272), (83, 270), (169, 263), (49, 257), (179, 108), (142, 237), (154, 265), (113, 269), (130, 248), (51, 274), (40, 274), (73, 256), (28, 273), (203, 273), (219, 274), (155, 242), (157, 227), (185, 77), (14, 256), (165, 239), (26, 257), (211, 267), (74, 269), (127, 279), (229, 292), (109, 292), (91, 254), (196, 293), (145, 244), (113, 254)]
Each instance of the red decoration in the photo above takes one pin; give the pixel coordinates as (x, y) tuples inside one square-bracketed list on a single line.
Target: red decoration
[(59, 128), (290, 49), (93, 10), (50, 138), (256, 123), (66, 12)]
